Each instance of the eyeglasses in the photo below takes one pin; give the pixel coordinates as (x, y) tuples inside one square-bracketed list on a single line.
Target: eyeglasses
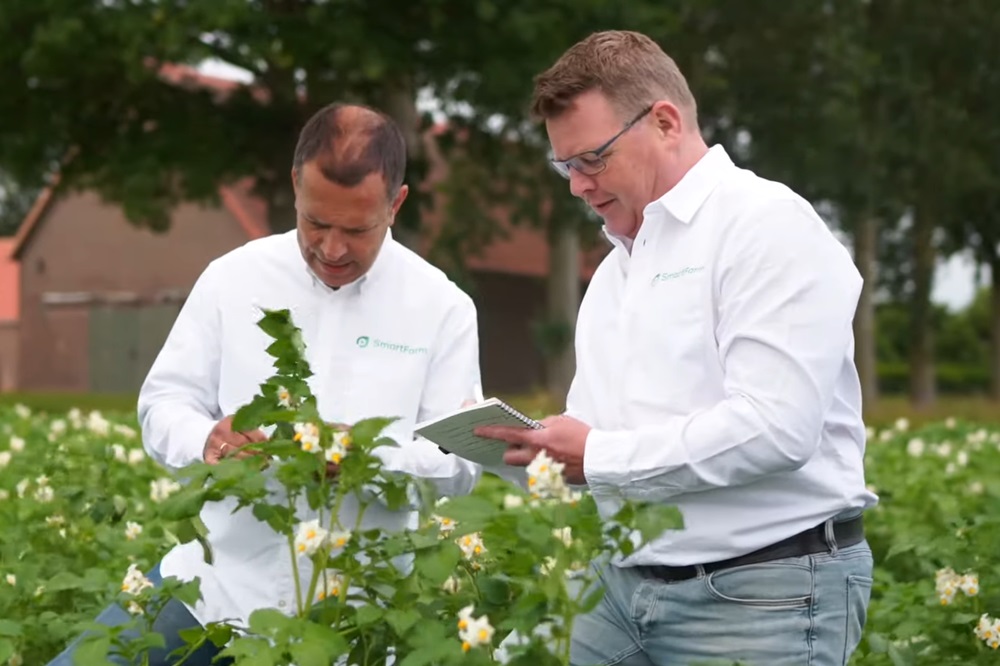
[(592, 162)]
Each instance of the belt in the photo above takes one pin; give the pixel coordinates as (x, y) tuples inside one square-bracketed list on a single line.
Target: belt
[(846, 533)]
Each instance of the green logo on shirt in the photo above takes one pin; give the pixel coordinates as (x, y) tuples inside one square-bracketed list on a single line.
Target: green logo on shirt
[(365, 341), (687, 270)]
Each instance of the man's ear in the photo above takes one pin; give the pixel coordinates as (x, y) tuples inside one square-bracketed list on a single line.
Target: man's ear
[(295, 180), (397, 203), (669, 119)]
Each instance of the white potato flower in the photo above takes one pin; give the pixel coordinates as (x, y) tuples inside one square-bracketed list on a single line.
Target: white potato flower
[(309, 538), (132, 530), (161, 489), (135, 582), (307, 435), (472, 631)]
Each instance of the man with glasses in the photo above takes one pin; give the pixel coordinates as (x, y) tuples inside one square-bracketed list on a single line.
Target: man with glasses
[(715, 373)]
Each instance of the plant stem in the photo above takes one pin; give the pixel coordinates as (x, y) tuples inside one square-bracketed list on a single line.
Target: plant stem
[(295, 561)]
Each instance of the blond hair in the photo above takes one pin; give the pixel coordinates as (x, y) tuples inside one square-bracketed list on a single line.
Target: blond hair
[(628, 68)]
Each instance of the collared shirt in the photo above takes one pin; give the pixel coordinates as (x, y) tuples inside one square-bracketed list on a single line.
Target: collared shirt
[(715, 365), (401, 342)]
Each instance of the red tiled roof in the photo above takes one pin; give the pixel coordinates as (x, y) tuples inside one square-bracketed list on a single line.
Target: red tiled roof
[(250, 212), (10, 281)]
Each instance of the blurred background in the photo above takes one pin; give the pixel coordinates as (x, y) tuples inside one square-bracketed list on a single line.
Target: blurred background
[(141, 139)]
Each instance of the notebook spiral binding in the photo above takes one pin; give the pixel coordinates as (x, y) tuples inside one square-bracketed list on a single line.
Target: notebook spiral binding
[(526, 420)]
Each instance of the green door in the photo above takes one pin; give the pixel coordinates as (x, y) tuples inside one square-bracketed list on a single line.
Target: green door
[(124, 342)]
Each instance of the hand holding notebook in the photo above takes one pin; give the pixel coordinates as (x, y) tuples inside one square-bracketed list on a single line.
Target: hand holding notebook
[(453, 433)]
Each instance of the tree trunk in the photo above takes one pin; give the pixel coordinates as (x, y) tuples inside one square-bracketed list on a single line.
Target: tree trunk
[(995, 328), (281, 203), (563, 302), (866, 258), (922, 381)]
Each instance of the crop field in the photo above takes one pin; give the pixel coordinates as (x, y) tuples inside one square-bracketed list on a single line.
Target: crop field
[(80, 503)]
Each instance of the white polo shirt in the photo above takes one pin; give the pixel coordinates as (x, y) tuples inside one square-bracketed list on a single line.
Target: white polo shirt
[(401, 341), (715, 365)]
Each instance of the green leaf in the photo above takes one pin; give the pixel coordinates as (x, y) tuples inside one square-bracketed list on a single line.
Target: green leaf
[(899, 548), (470, 511), (367, 615), (93, 652), (877, 643), (495, 591), (901, 656), (6, 650), (194, 529), (63, 580), (189, 592), (437, 565), (320, 646), (9, 628), (652, 520), (964, 618), (365, 432), (267, 621), (253, 414), (402, 620)]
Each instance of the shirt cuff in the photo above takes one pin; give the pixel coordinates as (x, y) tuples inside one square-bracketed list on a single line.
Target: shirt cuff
[(189, 442), (599, 459)]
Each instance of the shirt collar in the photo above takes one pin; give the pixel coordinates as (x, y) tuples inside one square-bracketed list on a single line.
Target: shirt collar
[(372, 276), (684, 199)]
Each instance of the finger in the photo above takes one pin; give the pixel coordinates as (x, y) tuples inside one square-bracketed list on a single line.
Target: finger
[(238, 439), (212, 455), (255, 435), (519, 456), (504, 434)]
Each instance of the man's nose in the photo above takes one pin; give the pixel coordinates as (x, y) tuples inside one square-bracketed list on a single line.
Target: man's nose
[(333, 245), (580, 184)]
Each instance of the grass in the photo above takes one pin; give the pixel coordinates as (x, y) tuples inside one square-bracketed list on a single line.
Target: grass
[(63, 402), (539, 404)]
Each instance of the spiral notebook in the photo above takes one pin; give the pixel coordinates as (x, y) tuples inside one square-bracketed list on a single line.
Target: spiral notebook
[(453, 432)]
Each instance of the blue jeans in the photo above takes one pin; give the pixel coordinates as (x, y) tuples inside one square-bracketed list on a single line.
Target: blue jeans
[(799, 611), (173, 618)]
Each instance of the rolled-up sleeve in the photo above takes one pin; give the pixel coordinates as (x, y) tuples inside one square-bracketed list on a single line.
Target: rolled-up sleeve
[(178, 401), (787, 292)]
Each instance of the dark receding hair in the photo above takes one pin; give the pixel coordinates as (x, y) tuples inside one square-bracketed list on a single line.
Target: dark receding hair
[(351, 141)]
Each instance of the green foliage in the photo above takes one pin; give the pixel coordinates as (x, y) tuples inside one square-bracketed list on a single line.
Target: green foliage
[(938, 505), (483, 566)]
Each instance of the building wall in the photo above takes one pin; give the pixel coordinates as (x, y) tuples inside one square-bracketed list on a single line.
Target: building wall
[(8, 355), (84, 256)]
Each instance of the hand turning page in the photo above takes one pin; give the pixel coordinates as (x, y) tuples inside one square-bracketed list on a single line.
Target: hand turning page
[(453, 432)]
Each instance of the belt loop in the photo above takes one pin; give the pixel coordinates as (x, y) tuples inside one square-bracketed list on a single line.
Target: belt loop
[(701, 570), (831, 539)]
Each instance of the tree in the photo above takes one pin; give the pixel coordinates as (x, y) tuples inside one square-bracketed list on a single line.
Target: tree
[(15, 202)]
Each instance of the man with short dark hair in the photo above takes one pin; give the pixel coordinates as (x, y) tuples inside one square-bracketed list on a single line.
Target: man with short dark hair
[(715, 372), (345, 280)]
